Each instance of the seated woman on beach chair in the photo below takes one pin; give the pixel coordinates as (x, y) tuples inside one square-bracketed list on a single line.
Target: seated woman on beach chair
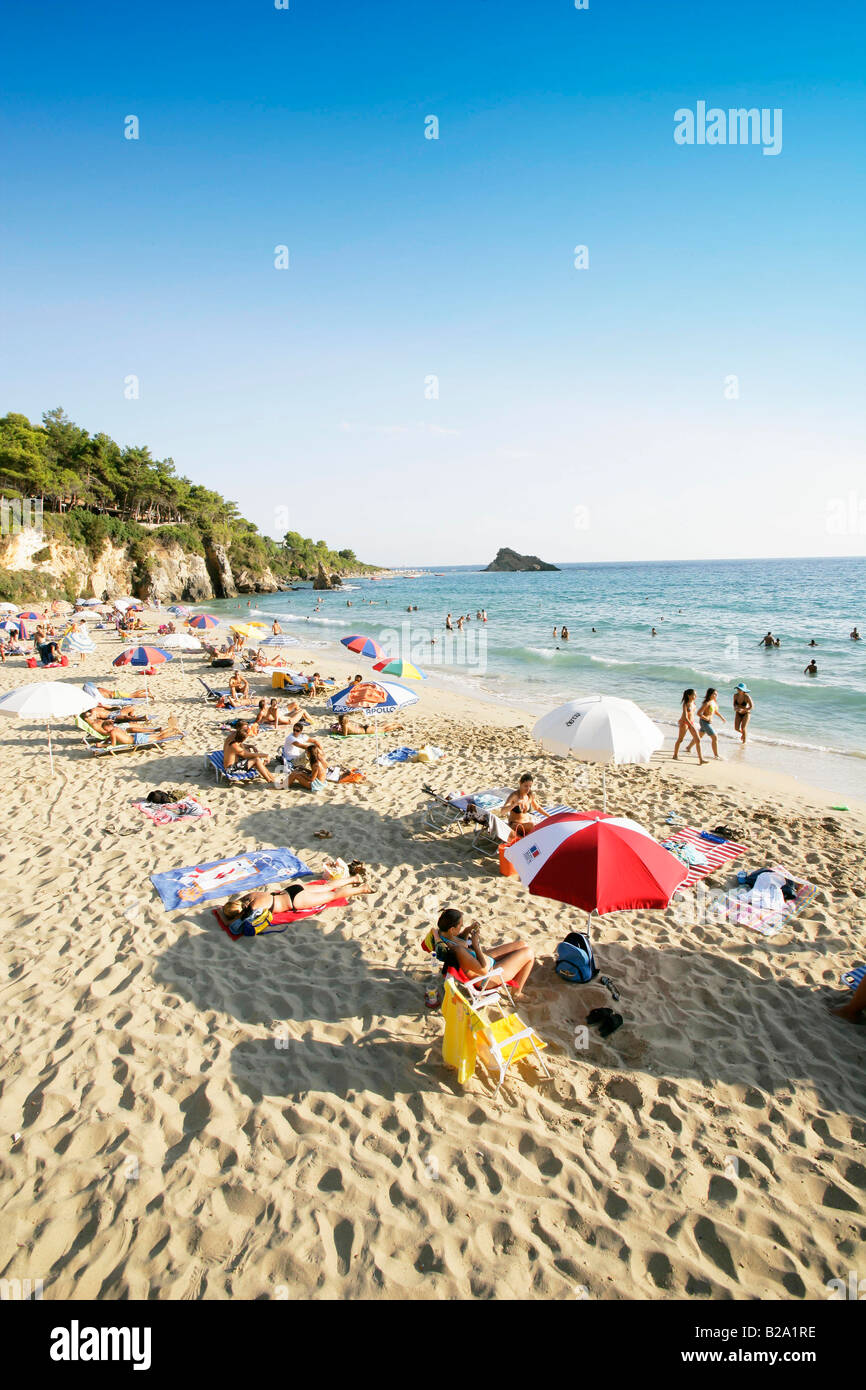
[(313, 777), (522, 808), (459, 948), (295, 897), (238, 753)]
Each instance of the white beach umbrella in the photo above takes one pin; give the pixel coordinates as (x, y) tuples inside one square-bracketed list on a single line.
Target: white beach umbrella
[(46, 700), (8, 608), (124, 603), (599, 729), (87, 603), (181, 642), (279, 639), (78, 640)]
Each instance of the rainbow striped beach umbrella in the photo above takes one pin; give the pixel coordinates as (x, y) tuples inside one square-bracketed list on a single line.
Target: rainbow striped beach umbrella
[(29, 616), (395, 666), (364, 646), (204, 620)]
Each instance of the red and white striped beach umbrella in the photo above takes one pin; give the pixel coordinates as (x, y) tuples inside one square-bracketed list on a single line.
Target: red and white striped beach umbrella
[(598, 862)]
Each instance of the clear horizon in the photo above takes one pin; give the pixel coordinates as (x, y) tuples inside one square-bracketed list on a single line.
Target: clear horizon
[(703, 373)]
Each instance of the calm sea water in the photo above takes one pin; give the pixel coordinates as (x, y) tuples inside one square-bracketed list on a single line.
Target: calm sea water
[(710, 618)]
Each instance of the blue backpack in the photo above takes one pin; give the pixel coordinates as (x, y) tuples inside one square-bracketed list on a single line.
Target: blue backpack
[(575, 961)]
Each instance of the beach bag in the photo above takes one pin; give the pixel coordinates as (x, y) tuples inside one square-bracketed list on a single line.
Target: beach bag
[(253, 924), (575, 960), (354, 776), (336, 868)]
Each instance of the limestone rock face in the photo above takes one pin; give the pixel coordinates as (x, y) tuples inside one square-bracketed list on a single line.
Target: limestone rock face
[(220, 572), (176, 573), (321, 580), (508, 561), (256, 581)]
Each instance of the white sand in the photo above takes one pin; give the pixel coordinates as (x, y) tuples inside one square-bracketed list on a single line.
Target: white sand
[(199, 1118)]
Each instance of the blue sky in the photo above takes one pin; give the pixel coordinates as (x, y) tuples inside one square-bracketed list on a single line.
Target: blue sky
[(301, 393)]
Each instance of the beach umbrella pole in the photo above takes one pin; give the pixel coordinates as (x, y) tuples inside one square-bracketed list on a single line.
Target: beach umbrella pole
[(604, 787), (50, 749)]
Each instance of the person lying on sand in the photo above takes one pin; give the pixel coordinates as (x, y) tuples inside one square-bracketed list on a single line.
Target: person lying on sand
[(345, 726), (459, 947), (238, 753), (295, 897), (853, 1010), (112, 693), (314, 777)]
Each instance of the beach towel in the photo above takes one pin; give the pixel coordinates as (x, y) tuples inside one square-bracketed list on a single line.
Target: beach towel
[(744, 910), (853, 977), (280, 920), (714, 852), (172, 811), (221, 877), (409, 755)]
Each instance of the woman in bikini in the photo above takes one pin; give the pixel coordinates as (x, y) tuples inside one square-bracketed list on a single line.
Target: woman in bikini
[(709, 711), (459, 948), (522, 807), (296, 897), (687, 725), (314, 776), (743, 707)]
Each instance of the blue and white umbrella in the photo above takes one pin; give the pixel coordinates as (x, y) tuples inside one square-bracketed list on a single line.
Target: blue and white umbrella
[(8, 625), (280, 639), (79, 640)]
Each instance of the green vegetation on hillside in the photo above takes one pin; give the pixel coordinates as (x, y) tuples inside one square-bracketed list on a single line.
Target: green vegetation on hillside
[(93, 490)]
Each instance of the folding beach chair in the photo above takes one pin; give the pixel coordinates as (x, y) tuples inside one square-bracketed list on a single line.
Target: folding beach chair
[(448, 812), (211, 696), (231, 774), (498, 1042)]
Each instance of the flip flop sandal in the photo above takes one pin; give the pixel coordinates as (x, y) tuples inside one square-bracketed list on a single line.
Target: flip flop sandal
[(600, 1015), (323, 835), (611, 1024)]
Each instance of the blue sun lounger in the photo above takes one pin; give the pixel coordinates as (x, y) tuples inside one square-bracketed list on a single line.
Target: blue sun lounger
[(233, 774)]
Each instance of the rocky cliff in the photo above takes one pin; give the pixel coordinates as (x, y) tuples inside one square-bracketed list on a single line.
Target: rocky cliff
[(508, 561), (59, 569)]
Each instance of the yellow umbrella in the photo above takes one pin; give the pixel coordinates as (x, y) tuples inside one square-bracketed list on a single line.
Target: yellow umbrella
[(242, 629)]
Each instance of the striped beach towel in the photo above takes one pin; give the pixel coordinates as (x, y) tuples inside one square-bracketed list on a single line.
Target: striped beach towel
[(715, 854), (852, 978)]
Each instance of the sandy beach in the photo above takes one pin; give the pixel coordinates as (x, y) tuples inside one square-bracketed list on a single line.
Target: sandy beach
[(186, 1117)]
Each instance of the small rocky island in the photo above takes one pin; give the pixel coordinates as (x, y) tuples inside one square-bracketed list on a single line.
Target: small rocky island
[(509, 562)]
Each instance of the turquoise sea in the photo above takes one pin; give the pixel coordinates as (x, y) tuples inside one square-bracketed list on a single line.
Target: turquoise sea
[(709, 616)]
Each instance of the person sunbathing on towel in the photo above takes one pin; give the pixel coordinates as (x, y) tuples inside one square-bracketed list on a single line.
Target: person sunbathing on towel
[(296, 897), (345, 726), (459, 948), (238, 753), (112, 694)]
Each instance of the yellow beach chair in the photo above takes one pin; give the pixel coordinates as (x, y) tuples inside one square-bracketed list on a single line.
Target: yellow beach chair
[(471, 1035)]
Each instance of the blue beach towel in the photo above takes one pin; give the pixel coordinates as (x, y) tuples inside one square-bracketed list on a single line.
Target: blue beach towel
[(853, 977), (221, 877)]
